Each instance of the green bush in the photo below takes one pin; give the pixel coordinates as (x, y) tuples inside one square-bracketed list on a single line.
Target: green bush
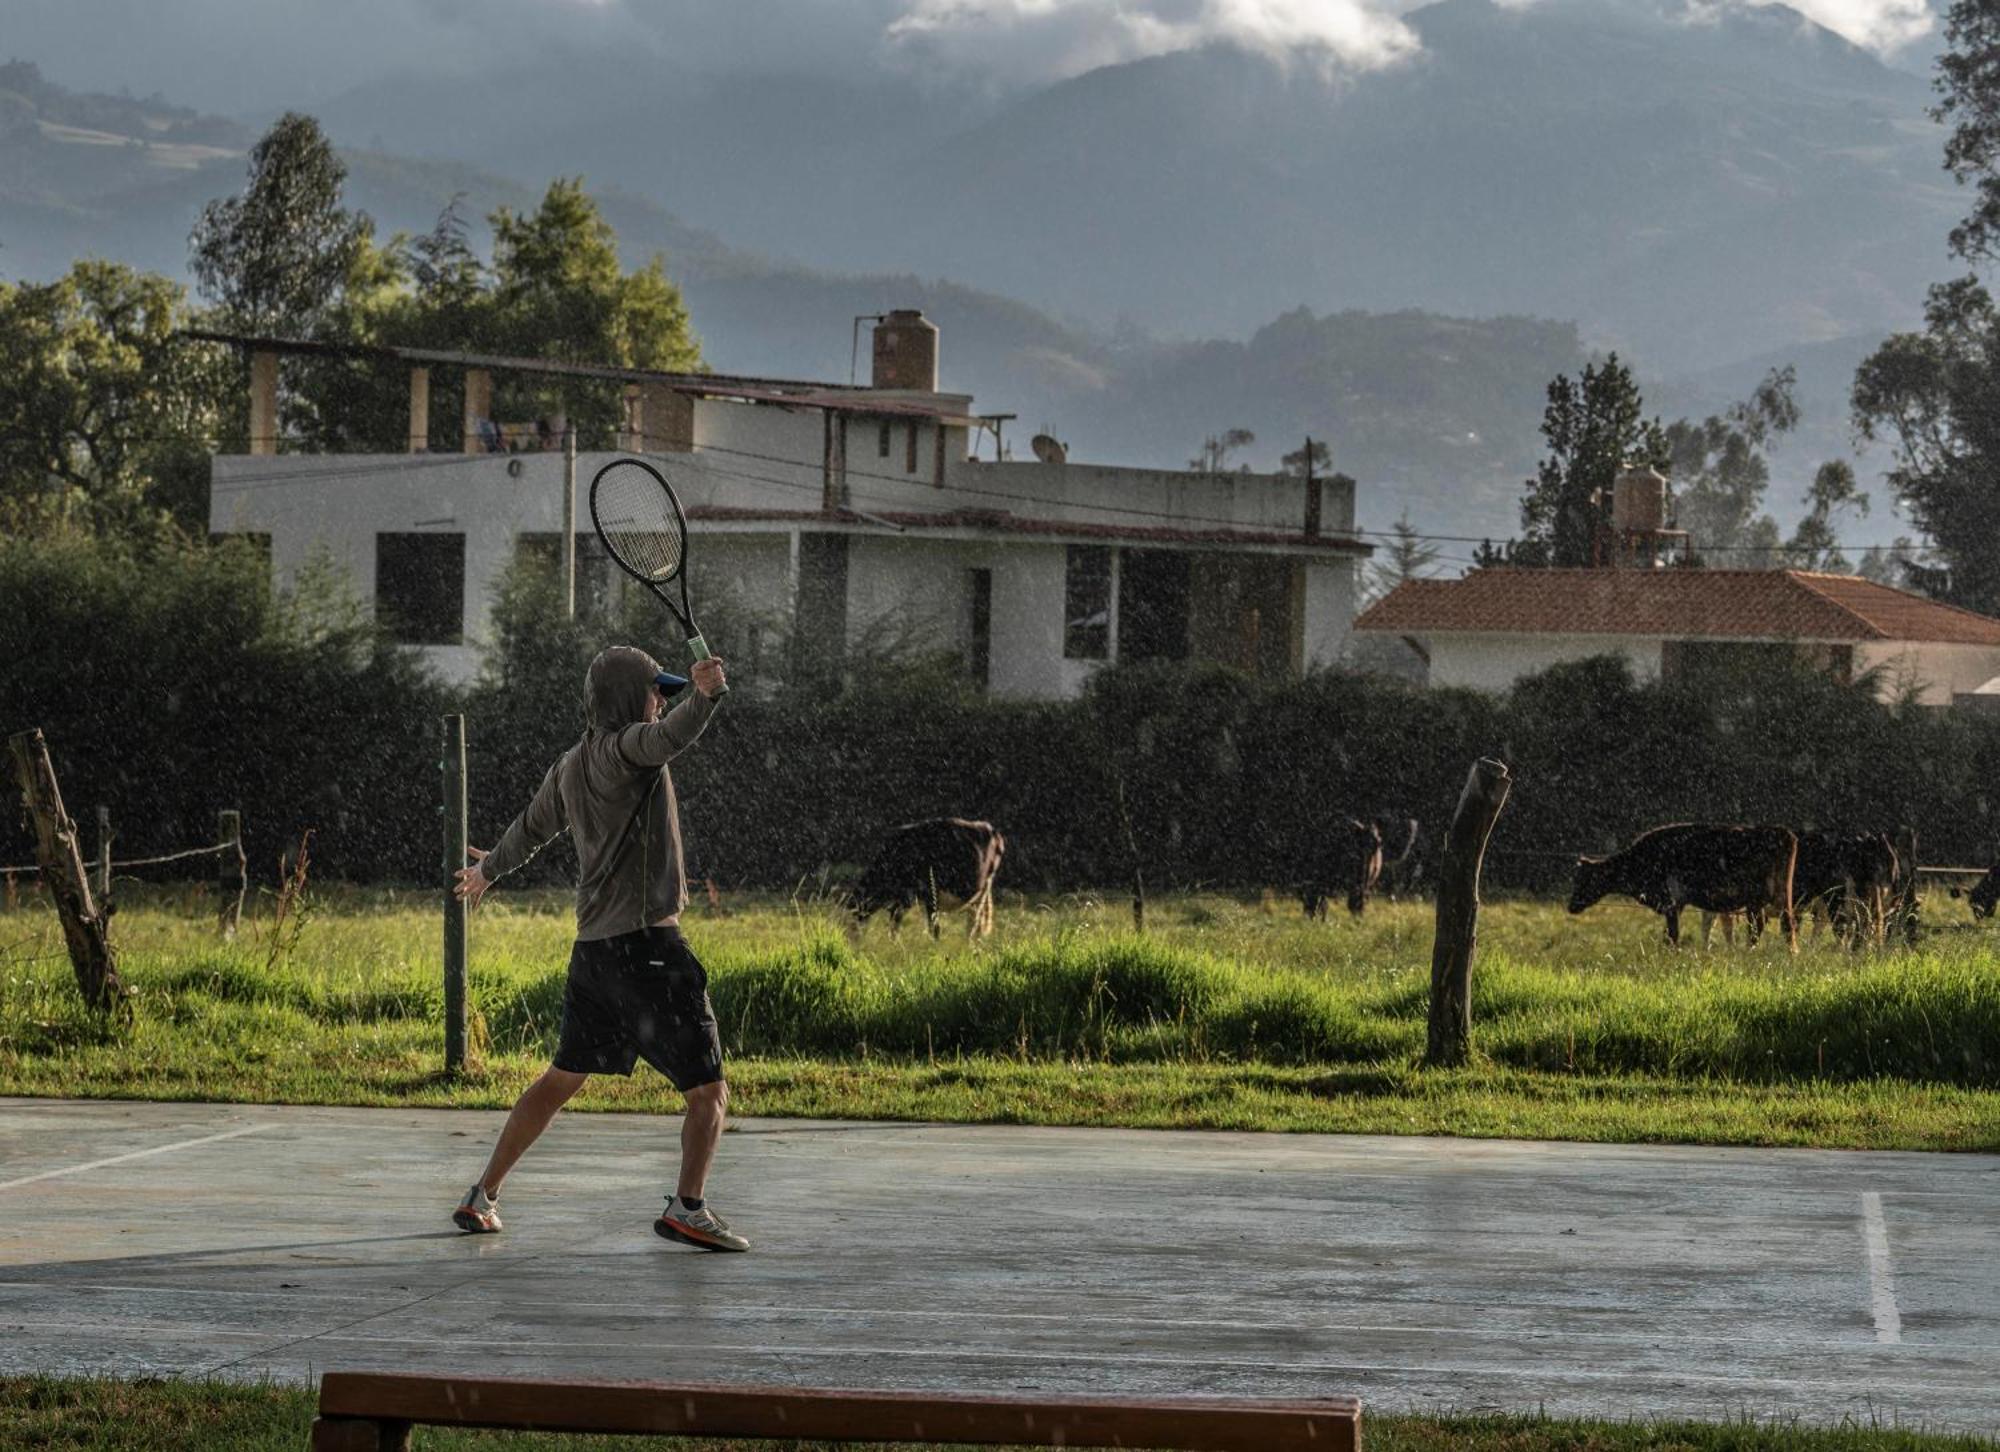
[(172, 683)]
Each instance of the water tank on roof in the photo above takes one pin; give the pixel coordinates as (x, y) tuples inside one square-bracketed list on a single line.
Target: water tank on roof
[(906, 352), (1639, 501)]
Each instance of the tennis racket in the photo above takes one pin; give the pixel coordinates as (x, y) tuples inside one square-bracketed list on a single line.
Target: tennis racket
[(639, 518)]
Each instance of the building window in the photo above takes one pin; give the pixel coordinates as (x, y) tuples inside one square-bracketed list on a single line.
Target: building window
[(420, 588), (882, 440), (1153, 605), (979, 654), (1087, 603)]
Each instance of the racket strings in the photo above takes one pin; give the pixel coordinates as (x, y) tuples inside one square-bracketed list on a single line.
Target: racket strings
[(639, 523)]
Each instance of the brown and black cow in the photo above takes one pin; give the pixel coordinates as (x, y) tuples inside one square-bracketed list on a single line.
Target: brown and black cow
[(919, 861), (1719, 869), (1350, 862)]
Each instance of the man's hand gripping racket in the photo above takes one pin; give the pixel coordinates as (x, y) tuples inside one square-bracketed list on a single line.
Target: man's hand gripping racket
[(639, 518)]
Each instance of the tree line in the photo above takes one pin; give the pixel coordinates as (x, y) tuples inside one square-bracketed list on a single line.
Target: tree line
[(173, 682), (108, 417)]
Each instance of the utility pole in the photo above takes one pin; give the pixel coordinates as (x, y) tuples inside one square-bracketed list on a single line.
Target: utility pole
[(1312, 494), (569, 521)]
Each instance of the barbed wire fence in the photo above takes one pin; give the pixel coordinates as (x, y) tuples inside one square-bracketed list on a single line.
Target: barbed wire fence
[(232, 867)]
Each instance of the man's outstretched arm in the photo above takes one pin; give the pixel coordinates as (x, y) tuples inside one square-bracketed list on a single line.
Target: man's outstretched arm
[(526, 835)]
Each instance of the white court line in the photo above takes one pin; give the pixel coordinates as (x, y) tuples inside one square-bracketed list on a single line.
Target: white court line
[(134, 1155), (1881, 1282)]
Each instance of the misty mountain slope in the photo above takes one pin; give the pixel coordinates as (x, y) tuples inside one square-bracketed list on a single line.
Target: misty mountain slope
[(767, 158), (1693, 192), (1434, 413)]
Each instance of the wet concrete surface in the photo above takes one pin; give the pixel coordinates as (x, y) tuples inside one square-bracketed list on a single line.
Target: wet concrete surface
[(1629, 1281)]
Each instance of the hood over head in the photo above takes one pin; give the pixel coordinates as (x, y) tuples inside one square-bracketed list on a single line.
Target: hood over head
[(616, 687)]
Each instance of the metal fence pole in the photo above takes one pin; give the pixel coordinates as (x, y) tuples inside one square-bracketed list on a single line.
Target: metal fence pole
[(454, 907)]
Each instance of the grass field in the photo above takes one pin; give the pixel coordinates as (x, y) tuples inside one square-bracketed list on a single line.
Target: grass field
[(144, 1416), (1227, 1014)]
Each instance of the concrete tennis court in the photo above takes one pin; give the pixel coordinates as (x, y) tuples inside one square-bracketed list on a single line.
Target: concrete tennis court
[(1417, 1273)]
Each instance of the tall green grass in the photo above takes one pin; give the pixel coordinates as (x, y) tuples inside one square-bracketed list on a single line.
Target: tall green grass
[(1219, 982)]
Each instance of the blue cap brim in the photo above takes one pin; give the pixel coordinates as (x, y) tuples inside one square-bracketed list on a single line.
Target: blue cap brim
[(668, 682)]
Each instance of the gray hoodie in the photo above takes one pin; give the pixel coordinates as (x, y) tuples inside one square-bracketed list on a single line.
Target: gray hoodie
[(613, 793)]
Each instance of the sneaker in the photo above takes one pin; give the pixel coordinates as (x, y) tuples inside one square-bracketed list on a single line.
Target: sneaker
[(478, 1213), (703, 1227)]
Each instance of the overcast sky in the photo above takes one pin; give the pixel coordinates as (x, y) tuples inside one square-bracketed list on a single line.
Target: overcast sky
[(305, 51)]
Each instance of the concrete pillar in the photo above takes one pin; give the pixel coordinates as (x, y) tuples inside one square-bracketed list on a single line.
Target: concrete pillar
[(478, 405), (263, 402), (632, 426), (420, 410)]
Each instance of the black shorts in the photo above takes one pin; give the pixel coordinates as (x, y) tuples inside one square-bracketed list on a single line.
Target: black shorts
[(640, 995)]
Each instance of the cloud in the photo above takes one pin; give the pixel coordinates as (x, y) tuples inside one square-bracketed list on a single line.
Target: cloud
[(1880, 25), (1053, 39), (1883, 26)]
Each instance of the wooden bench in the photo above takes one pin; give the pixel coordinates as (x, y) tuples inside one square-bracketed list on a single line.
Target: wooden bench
[(373, 1412)]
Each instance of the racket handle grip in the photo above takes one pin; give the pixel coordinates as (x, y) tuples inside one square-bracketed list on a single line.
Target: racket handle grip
[(698, 647)]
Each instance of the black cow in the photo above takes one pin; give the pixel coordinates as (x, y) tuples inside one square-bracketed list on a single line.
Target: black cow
[(919, 860), (1694, 864), (1847, 878), (1985, 894), (1402, 869), (1350, 862)]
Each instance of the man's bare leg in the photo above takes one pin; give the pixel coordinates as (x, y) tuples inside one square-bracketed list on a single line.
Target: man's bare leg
[(530, 1116), (701, 1129)]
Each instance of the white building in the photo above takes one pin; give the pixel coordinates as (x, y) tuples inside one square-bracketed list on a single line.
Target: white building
[(850, 511), (1494, 626)]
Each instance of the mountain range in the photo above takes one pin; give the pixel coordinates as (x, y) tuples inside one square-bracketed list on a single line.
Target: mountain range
[(1397, 259)]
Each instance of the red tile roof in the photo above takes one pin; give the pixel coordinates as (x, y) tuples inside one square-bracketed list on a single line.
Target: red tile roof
[(1681, 604)]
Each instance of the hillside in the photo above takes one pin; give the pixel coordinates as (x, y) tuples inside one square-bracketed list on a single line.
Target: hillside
[(1434, 413), (1691, 184)]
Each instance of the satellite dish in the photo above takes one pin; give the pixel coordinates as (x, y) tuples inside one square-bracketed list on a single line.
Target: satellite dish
[(1048, 450)]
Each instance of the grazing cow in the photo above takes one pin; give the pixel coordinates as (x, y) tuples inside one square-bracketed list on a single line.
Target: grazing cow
[(1692, 864), (1985, 893), (1847, 879), (1350, 862), (919, 860), (1402, 869)]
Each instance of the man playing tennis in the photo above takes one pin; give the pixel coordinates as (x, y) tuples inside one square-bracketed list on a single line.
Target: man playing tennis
[(634, 989)]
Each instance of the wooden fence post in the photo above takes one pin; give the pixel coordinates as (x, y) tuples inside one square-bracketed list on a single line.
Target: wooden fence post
[(1479, 807), (454, 907), (103, 853), (60, 853), (232, 872), (1903, 910)]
